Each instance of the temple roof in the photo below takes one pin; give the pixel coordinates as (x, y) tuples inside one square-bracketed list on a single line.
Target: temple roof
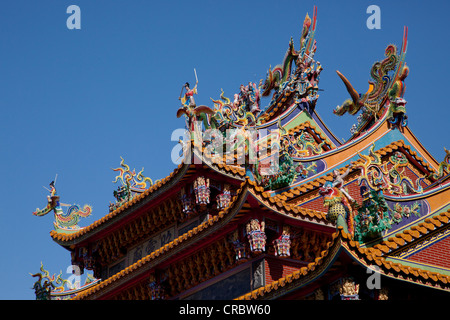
[(232, 213), (282, 191), (342, 242)]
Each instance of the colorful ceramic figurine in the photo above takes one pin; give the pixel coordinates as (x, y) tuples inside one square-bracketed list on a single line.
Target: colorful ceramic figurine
[(256, 235), (64, 222), (340, 211), (188, 99)]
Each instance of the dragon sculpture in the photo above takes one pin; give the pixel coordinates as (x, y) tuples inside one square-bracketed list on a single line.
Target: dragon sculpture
[(64, 222), (378, 176), (50, 284), (386, 86), (282, 72), (138, 182), (444, 166)]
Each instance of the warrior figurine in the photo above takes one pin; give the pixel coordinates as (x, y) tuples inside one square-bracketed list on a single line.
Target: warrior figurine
[(338, 181), (188, 99)]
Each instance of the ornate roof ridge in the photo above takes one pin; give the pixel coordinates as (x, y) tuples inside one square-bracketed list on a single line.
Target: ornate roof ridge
[(241, 192), (220, 166), (138, 198), (307, 124), (310, 185)]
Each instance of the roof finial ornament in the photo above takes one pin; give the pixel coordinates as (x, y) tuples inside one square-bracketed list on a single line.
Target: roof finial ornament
[(386, 89), (64, 222), (188, 99)]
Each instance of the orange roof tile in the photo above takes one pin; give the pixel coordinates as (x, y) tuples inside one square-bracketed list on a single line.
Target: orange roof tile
[(414, 232), (166, 248), (281, 206), (246, 186), (368, 256)]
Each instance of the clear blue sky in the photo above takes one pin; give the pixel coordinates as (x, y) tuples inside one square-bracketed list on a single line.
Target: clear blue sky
[(73, 101)]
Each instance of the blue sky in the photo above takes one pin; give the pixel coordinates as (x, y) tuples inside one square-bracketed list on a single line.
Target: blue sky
[(74, 101)]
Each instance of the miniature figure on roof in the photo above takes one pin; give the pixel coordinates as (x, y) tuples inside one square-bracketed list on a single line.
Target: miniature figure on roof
[(64, 222), (339, 208), (192, 112), (188, 99)]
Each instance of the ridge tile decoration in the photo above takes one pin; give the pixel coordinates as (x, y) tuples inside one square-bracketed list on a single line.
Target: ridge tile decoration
[(48, 287), (130, 184), (268, 204), (386, 90), (65, 222)]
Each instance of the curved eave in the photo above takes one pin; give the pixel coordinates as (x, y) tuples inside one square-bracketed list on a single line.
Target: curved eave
[(289, 211), (68, 293), (183, 171), (175, 247), (123, 211), (414, 233), (215, 224), (367, 257)]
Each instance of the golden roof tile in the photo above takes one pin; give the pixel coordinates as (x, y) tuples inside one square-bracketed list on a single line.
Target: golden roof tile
[(364, 254)]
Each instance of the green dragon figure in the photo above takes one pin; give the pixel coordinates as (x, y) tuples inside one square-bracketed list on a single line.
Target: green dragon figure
[(372, 218), (51, 284), (444, 166)]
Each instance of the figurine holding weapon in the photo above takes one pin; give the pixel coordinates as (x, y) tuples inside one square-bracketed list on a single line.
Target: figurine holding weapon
[(188, 99)]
